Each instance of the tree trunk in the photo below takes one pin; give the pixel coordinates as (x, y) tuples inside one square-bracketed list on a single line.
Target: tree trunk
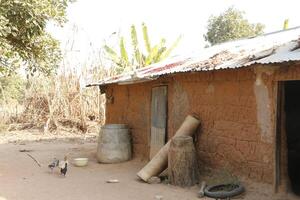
[(182, 162)]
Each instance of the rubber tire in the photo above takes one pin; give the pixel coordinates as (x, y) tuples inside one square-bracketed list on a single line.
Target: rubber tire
[(223, 194)]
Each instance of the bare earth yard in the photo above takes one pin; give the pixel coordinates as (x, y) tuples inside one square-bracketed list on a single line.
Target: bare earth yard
[(22, 179)]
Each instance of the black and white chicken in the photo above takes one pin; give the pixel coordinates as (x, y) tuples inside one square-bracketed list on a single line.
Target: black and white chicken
[(63, 171), (54, 164), (63, 165)]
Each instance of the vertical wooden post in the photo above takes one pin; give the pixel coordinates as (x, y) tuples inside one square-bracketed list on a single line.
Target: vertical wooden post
[(277, 120)]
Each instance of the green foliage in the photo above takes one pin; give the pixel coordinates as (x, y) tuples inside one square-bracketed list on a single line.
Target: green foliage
[(23, 38), (230, 25), (123, 52), (139, 59), (146, 38), (12, 88), (112, 54)]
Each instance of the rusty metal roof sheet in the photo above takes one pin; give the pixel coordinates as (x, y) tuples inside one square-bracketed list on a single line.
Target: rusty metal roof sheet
[(276, 47)]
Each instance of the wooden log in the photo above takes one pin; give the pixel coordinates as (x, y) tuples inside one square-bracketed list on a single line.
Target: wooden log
[(182, 162), (160, 161)]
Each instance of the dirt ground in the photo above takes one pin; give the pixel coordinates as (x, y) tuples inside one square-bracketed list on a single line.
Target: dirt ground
[(22, 179)]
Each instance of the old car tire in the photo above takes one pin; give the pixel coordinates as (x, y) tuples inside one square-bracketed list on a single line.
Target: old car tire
[(208, 191)]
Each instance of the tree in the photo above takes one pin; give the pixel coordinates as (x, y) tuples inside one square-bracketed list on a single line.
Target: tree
[(11, 88), (230, 25), (23, 37), (154, 53)]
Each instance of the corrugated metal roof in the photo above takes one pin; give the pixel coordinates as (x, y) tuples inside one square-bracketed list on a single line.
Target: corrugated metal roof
[(276, 47)]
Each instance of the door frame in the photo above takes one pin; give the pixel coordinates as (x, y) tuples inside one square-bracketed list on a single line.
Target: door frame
[(279, 104), (281, 177)]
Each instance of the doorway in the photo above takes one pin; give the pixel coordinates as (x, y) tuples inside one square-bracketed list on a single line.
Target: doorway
[(292, 130), (158, 119)]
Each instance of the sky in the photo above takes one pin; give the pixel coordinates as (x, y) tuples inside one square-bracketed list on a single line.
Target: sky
[(91, 22)]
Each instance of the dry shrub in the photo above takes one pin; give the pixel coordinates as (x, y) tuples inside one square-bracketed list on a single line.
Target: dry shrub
[(9, 113), (72, 102), (36, 109), (71, 105), (20, 126), (60, 103), (74, 125)]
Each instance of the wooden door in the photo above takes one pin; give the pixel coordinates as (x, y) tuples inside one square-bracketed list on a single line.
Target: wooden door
[(158, 119)]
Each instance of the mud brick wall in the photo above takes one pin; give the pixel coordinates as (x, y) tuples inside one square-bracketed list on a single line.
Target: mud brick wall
[(235, 110)]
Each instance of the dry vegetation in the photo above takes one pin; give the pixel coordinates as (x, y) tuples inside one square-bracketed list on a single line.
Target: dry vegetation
[(53, 104), (59, 102)]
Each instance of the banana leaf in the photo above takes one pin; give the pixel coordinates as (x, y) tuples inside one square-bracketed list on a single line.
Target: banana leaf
[(146, 38), (169, 50), (123, 52)]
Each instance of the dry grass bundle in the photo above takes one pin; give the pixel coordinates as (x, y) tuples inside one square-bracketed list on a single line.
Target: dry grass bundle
[(36, 109), (71, 106), (70, 101)]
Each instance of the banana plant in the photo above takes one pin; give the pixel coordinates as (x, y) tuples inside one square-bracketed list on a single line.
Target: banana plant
[(153, 54)]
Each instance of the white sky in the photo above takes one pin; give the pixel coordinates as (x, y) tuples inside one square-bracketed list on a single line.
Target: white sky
[(92, 21)]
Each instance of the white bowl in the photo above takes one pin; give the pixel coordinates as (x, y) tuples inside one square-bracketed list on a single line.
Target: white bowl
[(80, 162)]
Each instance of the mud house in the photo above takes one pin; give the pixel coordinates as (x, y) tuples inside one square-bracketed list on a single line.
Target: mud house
[(246, 93)]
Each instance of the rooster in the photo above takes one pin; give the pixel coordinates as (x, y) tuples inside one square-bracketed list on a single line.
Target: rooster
[(63, 165), (54, 164), (63, 171)]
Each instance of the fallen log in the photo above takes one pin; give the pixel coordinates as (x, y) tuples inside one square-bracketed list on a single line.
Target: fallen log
[(160, 161), (182, 162)]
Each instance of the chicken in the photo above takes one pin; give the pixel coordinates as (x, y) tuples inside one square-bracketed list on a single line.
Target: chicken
[(63, 165), (64, 170), (54, 164)]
